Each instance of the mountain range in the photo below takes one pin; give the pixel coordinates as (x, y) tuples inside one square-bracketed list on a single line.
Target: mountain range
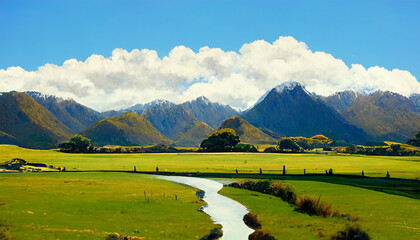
[(289, 109), (35, 120)]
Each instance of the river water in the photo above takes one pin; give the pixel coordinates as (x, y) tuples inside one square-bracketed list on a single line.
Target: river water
[(221, 209)]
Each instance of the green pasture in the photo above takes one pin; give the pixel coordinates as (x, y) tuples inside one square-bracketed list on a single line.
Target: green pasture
[(373, 166), (93, 205), (382, 216)]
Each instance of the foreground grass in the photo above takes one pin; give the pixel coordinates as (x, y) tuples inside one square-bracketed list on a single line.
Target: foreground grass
[(383, 216), (92, 205), (373, 166)]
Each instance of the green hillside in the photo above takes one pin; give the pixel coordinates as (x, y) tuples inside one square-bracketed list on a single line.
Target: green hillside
[(73, 114), (247, 133), (29, 124), (385, 116), (127, 130), (194, 136)]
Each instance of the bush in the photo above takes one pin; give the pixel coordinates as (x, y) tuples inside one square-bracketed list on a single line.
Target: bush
[(284, 191), (244, 147), (215, 233), (114, 236), (251, 220), (313, 206), (351, 233), (260, 235), (270, 150)]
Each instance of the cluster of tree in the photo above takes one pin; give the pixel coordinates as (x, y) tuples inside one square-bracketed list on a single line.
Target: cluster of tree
[(389, 150), (14, 164), (415, 141), (145, 149), (77, 144), (80, 144), (225, 140), (299, 144)]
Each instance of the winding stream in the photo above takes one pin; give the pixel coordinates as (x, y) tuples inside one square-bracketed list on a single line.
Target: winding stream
[(221, 209)]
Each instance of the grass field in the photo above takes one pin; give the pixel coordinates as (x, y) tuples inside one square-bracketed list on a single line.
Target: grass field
[(92, 205), (374, 166), (382, 216)]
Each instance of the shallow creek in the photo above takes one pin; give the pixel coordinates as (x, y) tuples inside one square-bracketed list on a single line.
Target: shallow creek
[(221, 209)]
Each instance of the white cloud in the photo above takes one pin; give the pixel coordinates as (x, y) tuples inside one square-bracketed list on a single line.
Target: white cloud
[(239, 79)]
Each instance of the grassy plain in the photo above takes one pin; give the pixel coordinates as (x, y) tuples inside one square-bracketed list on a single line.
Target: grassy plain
[(89, 205), (93, 205), (382, 216), (373, 166)]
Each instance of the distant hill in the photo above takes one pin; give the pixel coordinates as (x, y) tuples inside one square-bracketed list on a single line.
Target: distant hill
[(28, 124), (128, 130), (139, 108), (385, 116), (415, 98), (247, 133), (112, 113), (290, 110), (194, 136), (170, 119), (211, 113), (340, 101), (73, 114)]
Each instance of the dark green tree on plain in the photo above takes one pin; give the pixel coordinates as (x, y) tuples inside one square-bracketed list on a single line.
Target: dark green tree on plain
[(77, 144), (287, 145), (223, 140), (415, 141)]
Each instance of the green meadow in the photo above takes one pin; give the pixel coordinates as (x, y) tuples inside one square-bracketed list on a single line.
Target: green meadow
[(382, 216), (373, 166), (91, 205)]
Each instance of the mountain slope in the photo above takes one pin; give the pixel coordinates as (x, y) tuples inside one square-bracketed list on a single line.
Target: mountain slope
[(29, 123), (128, 130), (211, 113), (247, 133), (288, 109), (340, 101), (194, 136), (74, 115), (170, 119), (415, 98), (385, 116)]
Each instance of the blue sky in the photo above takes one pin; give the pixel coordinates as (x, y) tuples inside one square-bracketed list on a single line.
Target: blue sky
[(383, 33), (371, 33)]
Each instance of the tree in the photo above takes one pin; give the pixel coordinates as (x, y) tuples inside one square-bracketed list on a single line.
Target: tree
[(286, 144), (245, 147), (77, 144), (415, 141), (223, 140)]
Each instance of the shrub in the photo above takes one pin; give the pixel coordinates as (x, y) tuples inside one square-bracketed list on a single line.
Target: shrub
[(251, 220), (351, 233), (260, 235), (284, 191), (313, 206), (244, 147), (270, 150), (215, 233), (114, 236)]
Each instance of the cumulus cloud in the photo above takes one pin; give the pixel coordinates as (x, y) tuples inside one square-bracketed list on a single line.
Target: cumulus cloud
[(235, 78)]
